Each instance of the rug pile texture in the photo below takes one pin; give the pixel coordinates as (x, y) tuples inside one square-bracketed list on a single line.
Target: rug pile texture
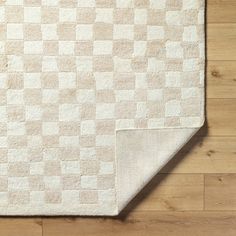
[(96, 96)]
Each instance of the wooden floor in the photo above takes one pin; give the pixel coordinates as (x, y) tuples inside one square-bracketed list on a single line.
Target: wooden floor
[(196, 192)]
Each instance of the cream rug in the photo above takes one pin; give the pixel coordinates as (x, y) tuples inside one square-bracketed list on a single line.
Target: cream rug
[(95, 97)]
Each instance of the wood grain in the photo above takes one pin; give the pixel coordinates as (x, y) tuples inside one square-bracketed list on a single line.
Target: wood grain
[(176, 192), (221, 79), (147, 223), (20, 227), (221, 41), (221, 117), (205, 155), (221, 11), (220, 192)]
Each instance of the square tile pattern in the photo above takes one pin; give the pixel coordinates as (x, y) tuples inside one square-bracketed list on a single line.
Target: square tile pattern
[(74, 72)]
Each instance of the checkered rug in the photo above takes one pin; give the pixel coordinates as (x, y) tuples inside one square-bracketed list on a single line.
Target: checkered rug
[(95, 97)]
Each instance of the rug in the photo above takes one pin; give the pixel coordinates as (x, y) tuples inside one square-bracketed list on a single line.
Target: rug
[(96, 96)]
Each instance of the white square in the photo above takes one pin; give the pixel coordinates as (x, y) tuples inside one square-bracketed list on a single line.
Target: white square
[(17, 155), (140, 81), (3, 198), (104, 80), (87, 3), (89, 182), (154, 65), (172, 108), (86, 96), (14, 31), (87, 153), (15, 128), (189, 93), (32, 14), (123, 32), (174, 49), (105, 111), (141, 111), (49, 31), (140, 17), (70, 197), (158, 4), (105, 140), (32, 80), (14, 2), (51, 154), (173, 17), (87, 127), (70, 167), (173, 79), (50, 3), (69, 112), (106, 195), (104, 15), (36, 168), (106, 168), (124, 95), (190, 34), (33, 47), (191, 65), (67, 14), (2, 47), (156, 123), (84, 32), (37, 197), (33, 113), (189, 4), (124, 124), (18, 183), (15, 63), (50, 128), (49, 64), (34, 141), (155, 32), (15, 96), (66, 48), (140, 48), (67, 80), (3, 114), (52, 182), (122, 65), (124, 3), (102, 47), (3, 144), (50, 96), (3, 80), (69, 141), (155, 95), (2, 14), (84, 64)]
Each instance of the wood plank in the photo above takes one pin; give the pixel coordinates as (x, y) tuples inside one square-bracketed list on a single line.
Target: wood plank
[(220, 192), (176, 192), (20, 227), (221, 79), (221, 11), (205, 155), (221, 41), (146, 224), (221, 117)]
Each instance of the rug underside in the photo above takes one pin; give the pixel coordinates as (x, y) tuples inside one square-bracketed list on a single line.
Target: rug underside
[(96, 96)]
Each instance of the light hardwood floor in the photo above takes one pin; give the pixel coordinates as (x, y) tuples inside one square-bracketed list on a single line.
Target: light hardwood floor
[(195, 193)]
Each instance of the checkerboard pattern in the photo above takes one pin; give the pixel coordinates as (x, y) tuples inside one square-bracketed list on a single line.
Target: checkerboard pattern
[(74, 72)]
